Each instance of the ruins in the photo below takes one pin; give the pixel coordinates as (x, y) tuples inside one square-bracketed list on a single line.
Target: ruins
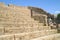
[(18, 23)]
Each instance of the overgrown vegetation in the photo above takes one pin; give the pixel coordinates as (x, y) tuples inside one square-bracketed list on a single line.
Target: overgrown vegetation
[(58, 22), (58, 18)]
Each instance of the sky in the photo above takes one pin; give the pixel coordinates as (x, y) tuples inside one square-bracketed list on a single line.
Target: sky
[(51, 6)]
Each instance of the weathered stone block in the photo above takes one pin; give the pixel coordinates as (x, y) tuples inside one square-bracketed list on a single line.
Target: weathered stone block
[(13, 30), (1, 30), (7, 37)]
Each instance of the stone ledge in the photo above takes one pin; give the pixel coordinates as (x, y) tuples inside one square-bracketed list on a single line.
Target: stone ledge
[(49, 37), (26, 37)]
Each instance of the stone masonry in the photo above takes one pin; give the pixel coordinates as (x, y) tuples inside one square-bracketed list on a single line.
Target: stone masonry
[(16, 24)]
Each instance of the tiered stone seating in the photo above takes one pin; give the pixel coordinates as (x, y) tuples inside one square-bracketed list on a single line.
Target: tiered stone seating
[(16, 24)]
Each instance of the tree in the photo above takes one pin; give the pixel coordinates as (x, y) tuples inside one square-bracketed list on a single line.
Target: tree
[(58, 18)]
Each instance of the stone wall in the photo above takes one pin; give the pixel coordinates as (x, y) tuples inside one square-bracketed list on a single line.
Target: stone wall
[(42, 18)]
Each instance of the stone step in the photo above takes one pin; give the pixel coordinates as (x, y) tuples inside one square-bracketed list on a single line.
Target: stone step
[(21, 28), (24, 25), (27, 35), (32, 35), (17, 19), (6, 37), (49, 37), (20, 25)]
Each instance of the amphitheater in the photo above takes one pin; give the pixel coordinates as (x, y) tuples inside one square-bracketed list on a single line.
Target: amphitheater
[(16, 24)]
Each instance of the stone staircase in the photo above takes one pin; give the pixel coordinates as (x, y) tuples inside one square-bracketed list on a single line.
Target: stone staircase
[(16, 24)]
